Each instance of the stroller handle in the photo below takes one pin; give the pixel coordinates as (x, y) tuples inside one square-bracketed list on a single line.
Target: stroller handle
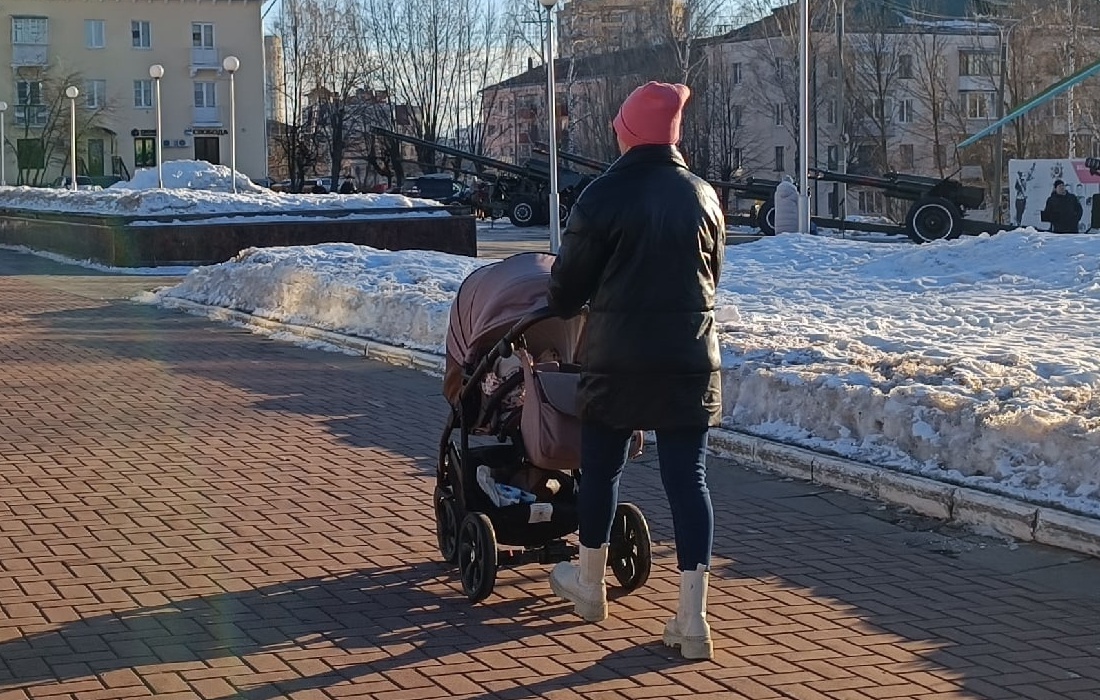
[(505, 344)]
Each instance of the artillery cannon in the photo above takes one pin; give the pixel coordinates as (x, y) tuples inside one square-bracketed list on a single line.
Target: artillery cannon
[(520, 192)]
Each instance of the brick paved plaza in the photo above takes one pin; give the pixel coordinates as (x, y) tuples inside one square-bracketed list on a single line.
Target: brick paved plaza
[(190, 510)]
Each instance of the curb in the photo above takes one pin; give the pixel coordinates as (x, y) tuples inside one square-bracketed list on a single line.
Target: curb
[(937, 499), (960, 504)]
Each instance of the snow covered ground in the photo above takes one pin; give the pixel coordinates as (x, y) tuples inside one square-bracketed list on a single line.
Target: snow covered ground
[(975, 361)]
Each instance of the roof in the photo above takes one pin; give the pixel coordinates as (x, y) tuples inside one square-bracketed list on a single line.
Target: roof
[(624, 62)]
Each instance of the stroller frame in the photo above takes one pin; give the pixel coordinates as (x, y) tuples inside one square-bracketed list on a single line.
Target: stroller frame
[(467, 522)]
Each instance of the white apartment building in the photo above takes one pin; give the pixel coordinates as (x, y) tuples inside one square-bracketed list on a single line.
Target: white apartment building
[(106, 49)]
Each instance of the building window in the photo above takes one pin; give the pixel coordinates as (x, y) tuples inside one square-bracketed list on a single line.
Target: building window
[(738, 158), (1057, 108), (145, 152), (30, 111), (95, 34), (779, 72), (883, 110), (95, 94), (737, 115), (905, 155), (977, 63), (202, 35), (833, 157), (779, 114), (905, 65), (905, 111), (735, 73), (871, 201), (830, 111), (205, 95), (30, 30), (941, 156), (142, 34), (30, 154), (778, 167), (143, 94), (976, 105)]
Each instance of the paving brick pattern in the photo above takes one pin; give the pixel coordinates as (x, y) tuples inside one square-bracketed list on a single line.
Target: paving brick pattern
[(189, 510)]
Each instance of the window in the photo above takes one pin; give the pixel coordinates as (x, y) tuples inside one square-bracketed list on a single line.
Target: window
[(871, 201), (941, 156), (95, 94), (779, 115), (779, 72), (30, 154), (830, 111), (905, 111), (905, 155), (29, 107), (142, 34), (145, 152), (905, 66), (738, 158), (205, 95), (1057, 109), (95, 34), (977, 63), (737, 115), (833, 158), (735, 73), (143, 93), (883, 110), (778, 159), (202, 35), (977, 104), (30, 30)]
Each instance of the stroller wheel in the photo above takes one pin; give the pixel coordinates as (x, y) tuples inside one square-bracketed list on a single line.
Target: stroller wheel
[(477, 556), (446, 525), (629, 551)]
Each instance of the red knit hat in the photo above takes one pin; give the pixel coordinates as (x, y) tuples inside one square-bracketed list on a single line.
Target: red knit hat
[(651, 114)]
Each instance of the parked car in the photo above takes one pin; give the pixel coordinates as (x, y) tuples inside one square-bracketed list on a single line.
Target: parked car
[(83, 182), (440, 187)]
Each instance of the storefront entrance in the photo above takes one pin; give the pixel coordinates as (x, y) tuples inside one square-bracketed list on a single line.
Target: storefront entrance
[(208, 148)]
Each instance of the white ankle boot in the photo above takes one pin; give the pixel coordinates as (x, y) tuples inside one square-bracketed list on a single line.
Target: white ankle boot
[(689, 629), (583, 584)]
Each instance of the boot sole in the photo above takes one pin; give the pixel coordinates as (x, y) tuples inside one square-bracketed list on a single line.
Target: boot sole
[(695, 648), (590, 612)]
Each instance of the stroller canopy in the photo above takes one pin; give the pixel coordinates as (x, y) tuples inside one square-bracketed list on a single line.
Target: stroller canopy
[(489, 302)]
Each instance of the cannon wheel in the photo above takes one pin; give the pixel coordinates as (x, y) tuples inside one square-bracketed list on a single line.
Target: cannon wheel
[(522, 213), (933, 219), (765, 218)]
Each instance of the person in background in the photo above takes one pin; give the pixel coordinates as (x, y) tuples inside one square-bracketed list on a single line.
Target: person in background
[(1063, 210), (644, 247)]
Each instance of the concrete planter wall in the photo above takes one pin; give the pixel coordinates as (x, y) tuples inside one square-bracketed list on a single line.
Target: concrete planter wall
[(118, 242)]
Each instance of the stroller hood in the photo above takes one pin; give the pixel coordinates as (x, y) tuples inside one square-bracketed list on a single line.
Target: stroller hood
[(489, 302)]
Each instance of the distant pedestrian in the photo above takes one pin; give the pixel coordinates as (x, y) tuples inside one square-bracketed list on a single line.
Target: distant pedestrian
[(318, 188), (644, 246), (348, 186), (1063, 210)]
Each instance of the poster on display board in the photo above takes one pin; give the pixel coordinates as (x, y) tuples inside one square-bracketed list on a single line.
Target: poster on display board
[(1031, 181)]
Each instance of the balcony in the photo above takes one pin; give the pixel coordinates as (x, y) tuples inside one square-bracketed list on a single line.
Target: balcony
[(204, 58), (29, 55), (206, 116)]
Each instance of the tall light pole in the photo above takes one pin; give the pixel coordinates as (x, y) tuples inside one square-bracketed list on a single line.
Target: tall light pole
[(72, 93), (3, 147), (804, 116), (156, 72), (231, 64), (554, 204)]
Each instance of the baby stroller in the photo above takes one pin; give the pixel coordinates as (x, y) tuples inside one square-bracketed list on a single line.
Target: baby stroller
[(511, 499)]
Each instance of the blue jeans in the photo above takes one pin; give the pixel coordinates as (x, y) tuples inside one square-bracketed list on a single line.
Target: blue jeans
[(683, 457)]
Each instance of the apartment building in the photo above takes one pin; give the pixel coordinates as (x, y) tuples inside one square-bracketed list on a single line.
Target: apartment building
[(588, 27), (105, 50)]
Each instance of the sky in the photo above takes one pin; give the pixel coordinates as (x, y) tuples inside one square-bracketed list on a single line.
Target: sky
[(974, 361)]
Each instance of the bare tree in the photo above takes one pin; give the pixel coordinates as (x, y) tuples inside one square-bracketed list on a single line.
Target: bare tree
[(293, 139), (43, 120)]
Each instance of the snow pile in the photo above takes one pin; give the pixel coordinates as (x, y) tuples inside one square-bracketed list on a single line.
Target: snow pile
[(196, 188), (189, 175), (976, 360)]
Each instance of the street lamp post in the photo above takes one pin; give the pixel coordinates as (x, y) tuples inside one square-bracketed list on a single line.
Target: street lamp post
[(72, 93), (156, 72), (231, 64), (554, 204), (3, 148), (804, 116)]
